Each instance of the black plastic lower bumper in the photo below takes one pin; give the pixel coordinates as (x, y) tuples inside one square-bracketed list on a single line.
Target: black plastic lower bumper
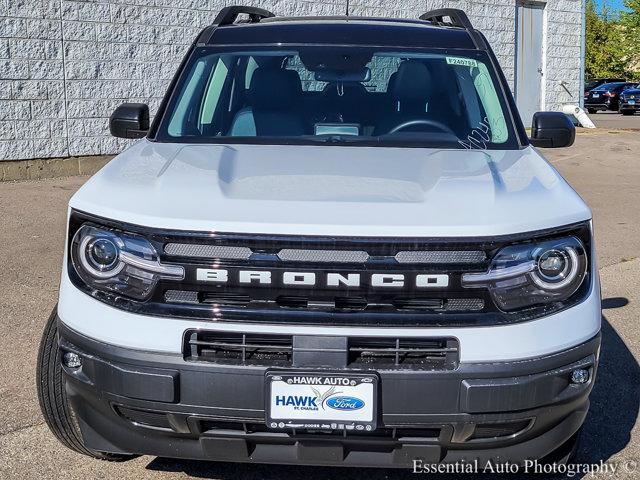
[(147, 403), (630, 107), (597, 106)]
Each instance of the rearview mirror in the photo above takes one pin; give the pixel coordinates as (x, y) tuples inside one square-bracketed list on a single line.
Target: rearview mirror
[(130, 120), (552, 130), (328, 75)]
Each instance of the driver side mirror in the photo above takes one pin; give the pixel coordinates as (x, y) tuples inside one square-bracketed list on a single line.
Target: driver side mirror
[(130, 120), (552, 130)]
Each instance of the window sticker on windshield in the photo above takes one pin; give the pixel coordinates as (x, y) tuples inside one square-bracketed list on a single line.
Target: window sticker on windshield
[(464, 62)]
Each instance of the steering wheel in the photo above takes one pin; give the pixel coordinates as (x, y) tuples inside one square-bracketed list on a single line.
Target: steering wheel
[(430, 123)]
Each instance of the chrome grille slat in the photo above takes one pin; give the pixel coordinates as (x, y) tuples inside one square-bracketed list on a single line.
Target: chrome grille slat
[(228, 252), (323, 256), (181, 296), (441, 256), (464, 304), (193, 250)]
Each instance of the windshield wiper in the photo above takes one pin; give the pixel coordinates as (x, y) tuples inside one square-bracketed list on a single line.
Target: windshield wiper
[(336, 138)]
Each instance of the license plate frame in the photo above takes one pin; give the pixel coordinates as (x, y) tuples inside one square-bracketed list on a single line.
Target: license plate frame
[(345, 412), (631, 102), (596, 95)]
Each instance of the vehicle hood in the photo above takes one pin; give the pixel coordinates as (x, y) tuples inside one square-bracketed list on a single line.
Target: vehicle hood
[(631, 91), (331, 190)]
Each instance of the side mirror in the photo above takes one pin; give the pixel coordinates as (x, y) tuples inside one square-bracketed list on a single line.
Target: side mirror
[(130, 120), (552, 130)]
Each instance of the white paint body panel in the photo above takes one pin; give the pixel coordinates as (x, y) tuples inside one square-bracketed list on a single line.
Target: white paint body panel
[(333, 191)]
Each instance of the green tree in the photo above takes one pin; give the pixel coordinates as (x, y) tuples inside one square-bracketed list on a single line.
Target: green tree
[(631, 18), (605, 55), (630, 22)]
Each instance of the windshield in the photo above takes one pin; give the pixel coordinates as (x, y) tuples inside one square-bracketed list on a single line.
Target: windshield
[(592, 85), (612, 86), (329, 94)]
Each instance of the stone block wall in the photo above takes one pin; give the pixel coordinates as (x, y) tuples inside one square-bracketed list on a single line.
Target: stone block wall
[(66, 64)]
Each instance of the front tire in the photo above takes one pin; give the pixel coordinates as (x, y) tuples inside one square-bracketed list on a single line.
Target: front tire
[(53, 396), (592, 110), (627, 112)]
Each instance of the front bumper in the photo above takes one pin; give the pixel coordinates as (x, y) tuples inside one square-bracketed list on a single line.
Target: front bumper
[(597, 105), (129, 401), (626, 106)]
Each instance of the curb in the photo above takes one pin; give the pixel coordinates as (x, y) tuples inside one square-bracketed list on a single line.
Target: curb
[(15, 170)]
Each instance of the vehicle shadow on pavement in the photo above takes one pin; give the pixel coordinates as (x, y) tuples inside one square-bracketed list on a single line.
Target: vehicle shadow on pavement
[(615, 400), (614, 408)]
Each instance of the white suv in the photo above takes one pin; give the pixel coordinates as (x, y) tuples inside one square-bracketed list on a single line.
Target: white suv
[(335, 245)]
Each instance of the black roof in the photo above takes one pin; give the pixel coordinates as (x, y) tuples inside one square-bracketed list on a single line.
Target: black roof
[(381, 32)]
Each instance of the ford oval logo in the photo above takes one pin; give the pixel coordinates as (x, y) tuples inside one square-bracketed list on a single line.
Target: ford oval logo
[(345, 403)]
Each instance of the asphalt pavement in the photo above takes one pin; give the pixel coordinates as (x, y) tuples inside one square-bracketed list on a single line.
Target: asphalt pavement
[(616, 120), (604, 168)]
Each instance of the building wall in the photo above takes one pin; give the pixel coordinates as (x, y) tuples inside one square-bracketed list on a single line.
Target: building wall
[(65, 65)]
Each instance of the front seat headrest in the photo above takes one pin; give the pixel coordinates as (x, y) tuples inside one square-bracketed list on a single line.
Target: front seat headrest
[(274, 88), (413, 81)]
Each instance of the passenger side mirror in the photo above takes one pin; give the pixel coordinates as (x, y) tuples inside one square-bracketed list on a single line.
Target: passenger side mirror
[(130, 120), (552, 130)]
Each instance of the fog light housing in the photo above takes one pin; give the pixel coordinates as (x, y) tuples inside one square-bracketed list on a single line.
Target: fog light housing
[(71, 360), (580, 376)]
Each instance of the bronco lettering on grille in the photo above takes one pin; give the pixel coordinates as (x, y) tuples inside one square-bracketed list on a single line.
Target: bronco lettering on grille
[(265, 277)]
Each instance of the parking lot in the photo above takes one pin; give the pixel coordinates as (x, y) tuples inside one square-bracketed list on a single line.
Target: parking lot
[(616, 120), (603, 166)]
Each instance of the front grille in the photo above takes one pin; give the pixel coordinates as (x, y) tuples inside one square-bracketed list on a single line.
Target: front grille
[(362, 352), (336, 303), (325, 280)]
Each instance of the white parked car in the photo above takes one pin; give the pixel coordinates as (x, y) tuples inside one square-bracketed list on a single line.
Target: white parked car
[(335, 245)]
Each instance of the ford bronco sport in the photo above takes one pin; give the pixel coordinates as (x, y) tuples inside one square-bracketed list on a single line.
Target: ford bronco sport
[(335, 245)]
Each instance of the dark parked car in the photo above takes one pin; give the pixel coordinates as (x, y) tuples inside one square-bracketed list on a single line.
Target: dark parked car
[(596, 82), (605, 97), (629, 102)]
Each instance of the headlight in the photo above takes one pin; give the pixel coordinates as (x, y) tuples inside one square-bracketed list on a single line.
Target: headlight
[(533, 274), (119, 263)]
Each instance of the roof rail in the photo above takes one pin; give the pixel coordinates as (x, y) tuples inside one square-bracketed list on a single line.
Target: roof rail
[(457, 18), (229, 15)]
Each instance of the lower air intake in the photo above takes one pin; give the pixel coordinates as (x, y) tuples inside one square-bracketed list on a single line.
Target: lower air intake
[(239, 348), (364, 353), (422, 353)]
